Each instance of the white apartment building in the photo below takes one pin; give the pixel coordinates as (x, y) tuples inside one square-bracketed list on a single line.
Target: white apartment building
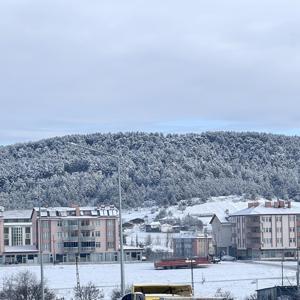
[(268, 230)]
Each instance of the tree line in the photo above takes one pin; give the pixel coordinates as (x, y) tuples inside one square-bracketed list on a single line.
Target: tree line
[(155, 168)]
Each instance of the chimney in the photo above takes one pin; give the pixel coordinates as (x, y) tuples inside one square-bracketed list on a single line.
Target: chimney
[(281, 203), (250, 204), (289, 204), (268, 204), (77, 210), (276, 204), (256, 204)]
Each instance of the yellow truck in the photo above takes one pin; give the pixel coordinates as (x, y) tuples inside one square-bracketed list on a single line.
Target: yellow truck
[(163, 292)]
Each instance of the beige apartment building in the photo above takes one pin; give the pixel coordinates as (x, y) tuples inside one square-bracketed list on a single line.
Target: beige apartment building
[(268, 230), (66, 232)]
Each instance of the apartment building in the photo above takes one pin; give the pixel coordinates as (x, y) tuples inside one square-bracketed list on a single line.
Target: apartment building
[(66, 232), (268, 230)]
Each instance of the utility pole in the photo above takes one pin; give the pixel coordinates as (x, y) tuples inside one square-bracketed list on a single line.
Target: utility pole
[(117, 158), (298, 288), (282, 267), (77, 278), (41, 251)]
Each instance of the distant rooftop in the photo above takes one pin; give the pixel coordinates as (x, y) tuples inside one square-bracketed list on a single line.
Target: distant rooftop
[(269, 208), (77, 211)]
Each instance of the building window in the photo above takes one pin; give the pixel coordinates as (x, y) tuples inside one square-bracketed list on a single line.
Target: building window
[(59, 234), (88, 244), (110, 244), (59, 223), (17, 236), (46, 235), (292, 229), (98, 233), (278, 218), (98, 245), (85, 233), (85, 223), (27, 241), (70, 244), (45, 224)]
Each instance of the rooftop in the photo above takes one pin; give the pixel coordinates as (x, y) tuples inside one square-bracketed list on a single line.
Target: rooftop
[(261, 209), (17, 214), (76, 211)]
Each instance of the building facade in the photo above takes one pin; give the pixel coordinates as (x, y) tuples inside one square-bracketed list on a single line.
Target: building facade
[(17, 237), (92, 233), (269, 230), (190, 246), (221, 234)]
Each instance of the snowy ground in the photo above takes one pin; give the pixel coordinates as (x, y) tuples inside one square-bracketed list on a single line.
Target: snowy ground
[(237, 277)]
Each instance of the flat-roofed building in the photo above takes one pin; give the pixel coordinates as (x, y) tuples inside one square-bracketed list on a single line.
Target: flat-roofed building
[(268, 230), (91, 233), (17, 237), (192, 245)]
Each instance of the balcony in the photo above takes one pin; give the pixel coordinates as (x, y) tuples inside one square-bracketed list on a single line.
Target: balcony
[(70, 227), (253, 234), (253, 224)]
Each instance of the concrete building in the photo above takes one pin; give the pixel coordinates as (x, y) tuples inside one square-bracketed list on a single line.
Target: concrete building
[(90, 232), (189, 246), (221, 234), (268, 230), (17, 237)]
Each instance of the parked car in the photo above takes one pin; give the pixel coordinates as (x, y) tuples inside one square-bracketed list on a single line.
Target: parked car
[(215, 260), (228, 258)]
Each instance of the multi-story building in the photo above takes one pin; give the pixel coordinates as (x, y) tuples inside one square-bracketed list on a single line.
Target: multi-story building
[(16, 232), (221, 233), (266, 230), (66, 232), (189, 246)]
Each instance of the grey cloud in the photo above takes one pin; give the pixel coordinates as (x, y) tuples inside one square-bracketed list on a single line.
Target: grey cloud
[(113, 65)]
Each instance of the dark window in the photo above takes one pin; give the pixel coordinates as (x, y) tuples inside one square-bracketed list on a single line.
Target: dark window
[(70, 244)]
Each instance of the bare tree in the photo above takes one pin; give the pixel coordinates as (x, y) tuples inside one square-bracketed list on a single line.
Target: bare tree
[(24, 285), (88, 292)]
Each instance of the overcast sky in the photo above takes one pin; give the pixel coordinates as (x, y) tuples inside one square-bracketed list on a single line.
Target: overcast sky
[(157, 65)]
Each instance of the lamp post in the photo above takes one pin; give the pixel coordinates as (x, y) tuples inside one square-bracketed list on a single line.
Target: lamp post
[(191, 261), (41, 250), (120, 209)]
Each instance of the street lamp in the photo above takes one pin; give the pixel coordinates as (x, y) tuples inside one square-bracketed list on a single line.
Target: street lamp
[(191, 262), (41, 247), (120, 209)]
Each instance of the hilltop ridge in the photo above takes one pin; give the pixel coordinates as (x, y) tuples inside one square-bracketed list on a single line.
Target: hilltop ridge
[(156, 169)]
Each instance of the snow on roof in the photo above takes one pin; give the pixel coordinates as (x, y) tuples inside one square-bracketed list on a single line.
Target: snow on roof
[(17, 214), (222, 218), (262, 210)]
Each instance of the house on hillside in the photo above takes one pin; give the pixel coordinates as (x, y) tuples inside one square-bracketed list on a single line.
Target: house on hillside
[(153, 227)]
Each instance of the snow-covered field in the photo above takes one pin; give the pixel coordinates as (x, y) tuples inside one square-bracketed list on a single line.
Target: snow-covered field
[(237, 277)]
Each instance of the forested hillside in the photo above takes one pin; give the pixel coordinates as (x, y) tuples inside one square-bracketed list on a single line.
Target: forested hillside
[(155, 167)]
